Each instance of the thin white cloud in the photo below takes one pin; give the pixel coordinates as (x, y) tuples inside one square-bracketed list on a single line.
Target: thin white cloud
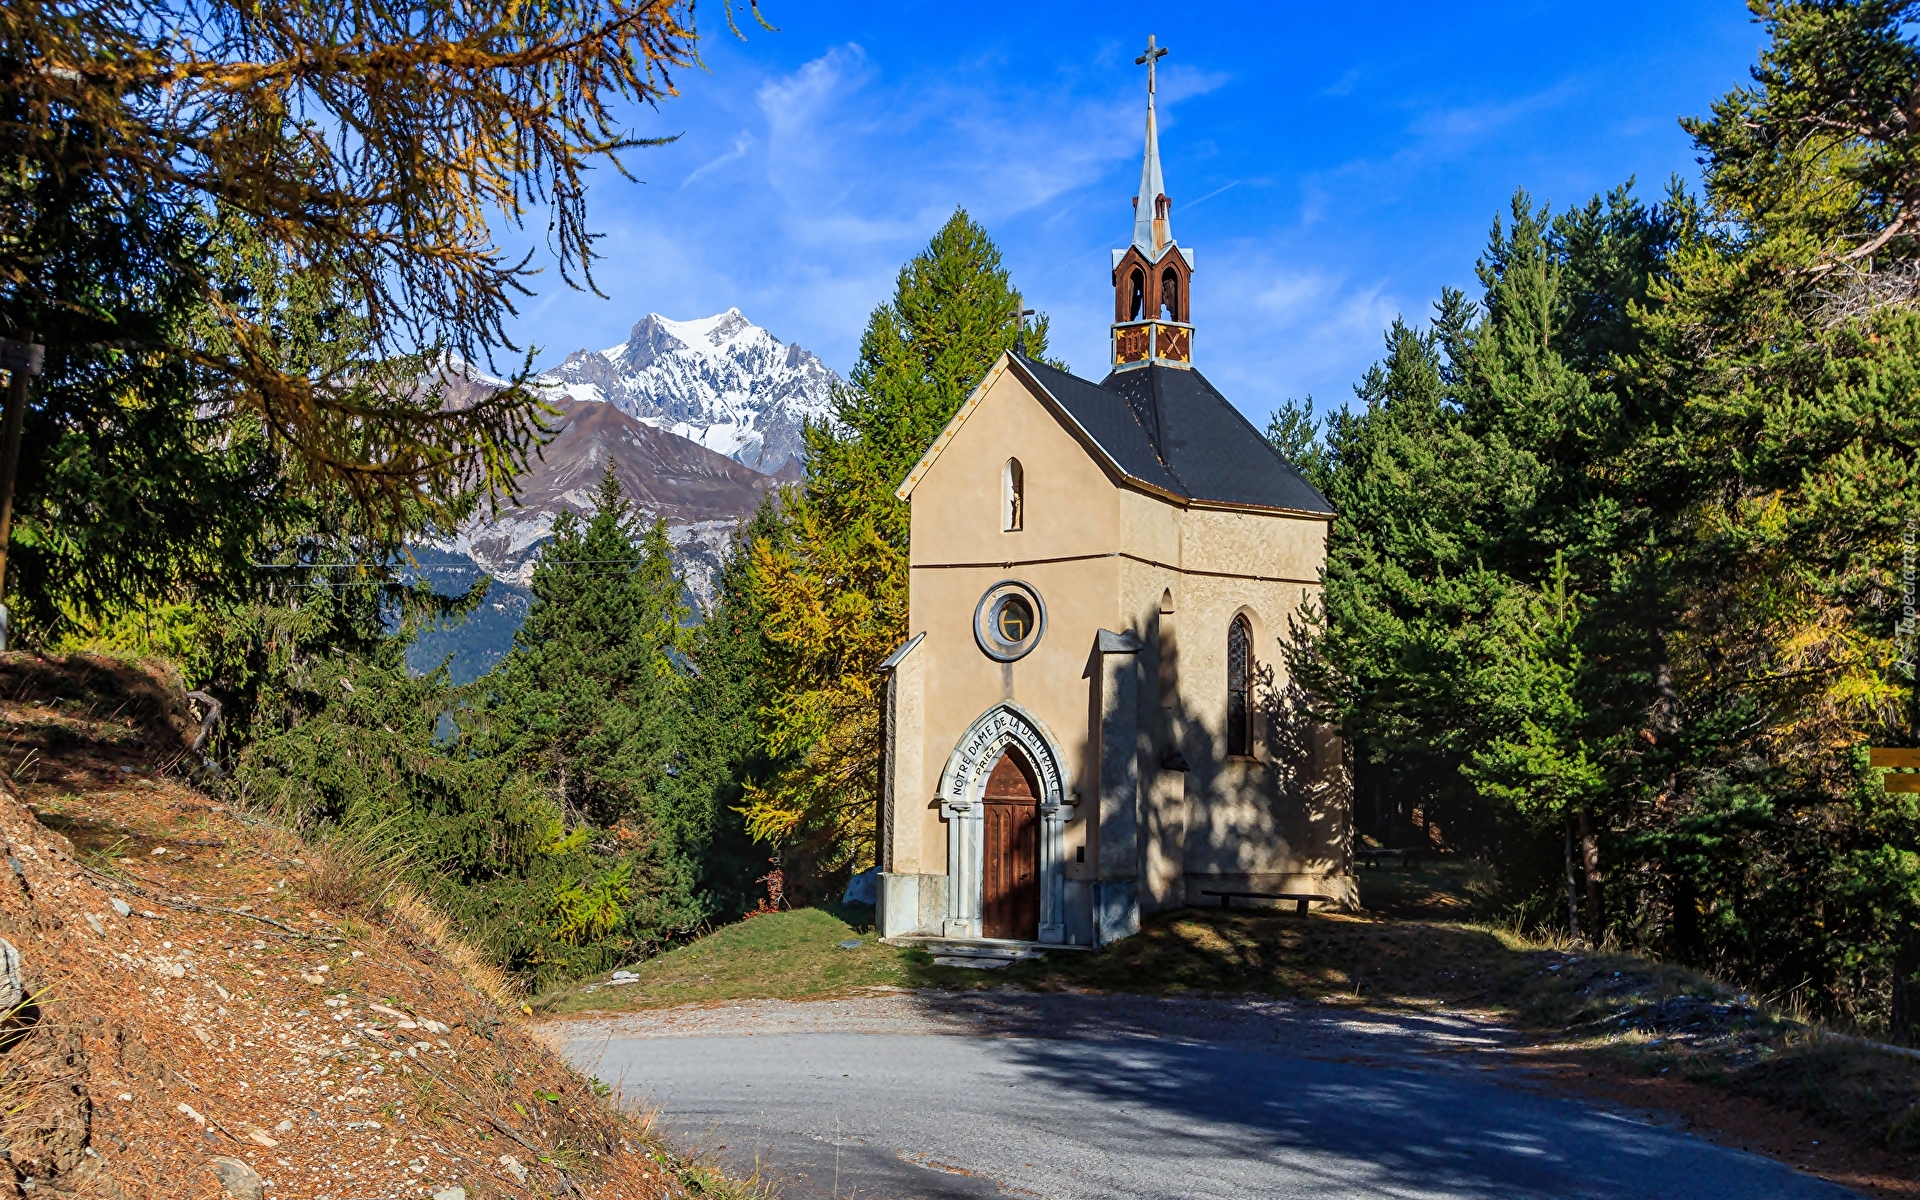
[(1210, 195), (741, 144), (1456, 126)]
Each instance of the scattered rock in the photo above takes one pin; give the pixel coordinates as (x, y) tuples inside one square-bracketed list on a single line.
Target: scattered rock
[(435, 1027), (514, 1168), (261, 1136), (241, 1181), (863, 888), (193, 1116), (850, 944), (452, 1193), (12, 989), (94, 924), (284, 1127), (121, 906)]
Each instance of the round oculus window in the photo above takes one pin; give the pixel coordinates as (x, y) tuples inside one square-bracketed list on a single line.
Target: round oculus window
[(1009, 620)]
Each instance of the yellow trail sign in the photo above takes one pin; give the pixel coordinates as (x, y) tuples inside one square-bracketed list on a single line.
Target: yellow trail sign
[(1893, 758)]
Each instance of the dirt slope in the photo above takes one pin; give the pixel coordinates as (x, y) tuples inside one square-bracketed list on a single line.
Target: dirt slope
[(202, 1023)]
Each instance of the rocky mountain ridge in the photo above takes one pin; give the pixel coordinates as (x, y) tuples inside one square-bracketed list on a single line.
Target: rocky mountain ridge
[(703, 496), (700, 420)]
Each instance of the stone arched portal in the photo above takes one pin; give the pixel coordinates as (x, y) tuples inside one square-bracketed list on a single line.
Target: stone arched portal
[(963, 785)]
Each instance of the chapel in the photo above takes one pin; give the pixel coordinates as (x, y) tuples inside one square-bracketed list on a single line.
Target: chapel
[(1091, 719)]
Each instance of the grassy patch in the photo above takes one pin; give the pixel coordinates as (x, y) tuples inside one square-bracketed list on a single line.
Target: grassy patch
[(798, 955), (1868, 1094), (1370, 960), (1451, 889), (793, 955)]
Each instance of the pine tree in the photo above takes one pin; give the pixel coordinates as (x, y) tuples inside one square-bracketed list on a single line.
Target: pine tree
[(1620, 544), (537, 803), (1476, 561), (836, 596), (720, 736), (585, 695), (1784, 350)]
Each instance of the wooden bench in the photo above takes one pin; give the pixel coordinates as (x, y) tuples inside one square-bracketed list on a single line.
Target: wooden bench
[(1299, 899), (1409, 857)]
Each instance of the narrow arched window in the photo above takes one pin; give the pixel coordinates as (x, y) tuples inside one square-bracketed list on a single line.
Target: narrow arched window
[(1138, 309), (1013, 496), (1239, 687), (1170, 294)]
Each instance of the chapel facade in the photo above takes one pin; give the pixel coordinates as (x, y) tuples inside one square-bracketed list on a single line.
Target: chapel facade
[(1092, 718)]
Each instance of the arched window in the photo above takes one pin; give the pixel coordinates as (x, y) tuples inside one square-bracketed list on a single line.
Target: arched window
[(1013, 497), (1138, 308), (1239, 687), (1170, 294)]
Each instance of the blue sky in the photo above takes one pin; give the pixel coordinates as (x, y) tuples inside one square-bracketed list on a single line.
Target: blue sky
[(1331, 165)]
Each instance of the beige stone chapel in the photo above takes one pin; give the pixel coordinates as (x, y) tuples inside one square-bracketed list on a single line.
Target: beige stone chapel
[(1091, 719)]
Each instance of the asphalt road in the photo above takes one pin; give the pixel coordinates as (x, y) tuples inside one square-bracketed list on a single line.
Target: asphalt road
[(1071, 1097)]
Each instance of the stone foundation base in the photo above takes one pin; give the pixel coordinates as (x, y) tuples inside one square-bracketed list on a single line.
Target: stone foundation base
[(1116, 910), (911, 904)]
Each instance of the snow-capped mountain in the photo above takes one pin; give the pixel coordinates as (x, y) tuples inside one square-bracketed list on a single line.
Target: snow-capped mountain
[(700, 419), (721, 381)]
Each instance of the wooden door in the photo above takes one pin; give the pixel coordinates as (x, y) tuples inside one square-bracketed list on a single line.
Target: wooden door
[(1010, 886)]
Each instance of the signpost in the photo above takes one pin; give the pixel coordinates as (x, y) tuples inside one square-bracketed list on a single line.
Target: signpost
[(1890, 758)]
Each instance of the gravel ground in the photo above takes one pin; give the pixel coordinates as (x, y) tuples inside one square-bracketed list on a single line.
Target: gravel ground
[(906, 1095)]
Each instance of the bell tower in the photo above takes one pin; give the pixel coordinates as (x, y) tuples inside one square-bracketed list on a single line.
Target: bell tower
[(1152, 277)]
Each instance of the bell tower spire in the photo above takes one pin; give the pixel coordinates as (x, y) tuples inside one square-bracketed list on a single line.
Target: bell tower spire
[(1151, 228), (1151, 275)]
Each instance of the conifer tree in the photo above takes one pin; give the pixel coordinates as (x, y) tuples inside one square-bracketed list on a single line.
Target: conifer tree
[(1477, 553), (1621, 545), (720, 747), (375, 148), (836, 596), (1784, 353), (583, 698)]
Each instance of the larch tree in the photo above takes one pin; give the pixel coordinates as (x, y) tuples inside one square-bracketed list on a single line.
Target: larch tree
[(1784, 347), (1622, 541), (367, 152), (835, 594)]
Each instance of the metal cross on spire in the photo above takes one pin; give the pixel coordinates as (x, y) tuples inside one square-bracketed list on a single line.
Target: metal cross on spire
[(1151, 230), (1153, 55)]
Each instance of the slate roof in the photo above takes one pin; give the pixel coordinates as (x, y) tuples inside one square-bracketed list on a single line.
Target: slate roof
[(1169, 428)]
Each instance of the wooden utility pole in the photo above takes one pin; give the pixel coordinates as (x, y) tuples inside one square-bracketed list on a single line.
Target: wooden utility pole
[(22, 361)]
